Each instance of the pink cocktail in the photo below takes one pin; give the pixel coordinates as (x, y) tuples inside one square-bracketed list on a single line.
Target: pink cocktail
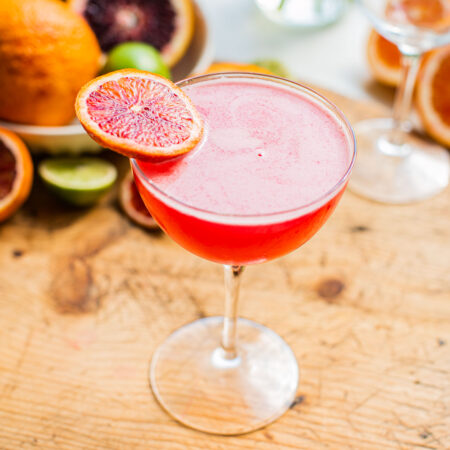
[(270, 169)]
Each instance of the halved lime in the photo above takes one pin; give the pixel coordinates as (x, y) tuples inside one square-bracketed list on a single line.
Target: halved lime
[(80, 181)]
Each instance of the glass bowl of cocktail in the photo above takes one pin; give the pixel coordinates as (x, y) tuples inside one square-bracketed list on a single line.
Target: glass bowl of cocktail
[(272, 163), (396, 164)]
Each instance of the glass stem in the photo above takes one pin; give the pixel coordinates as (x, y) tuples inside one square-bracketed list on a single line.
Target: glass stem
[(403, 97), (232, 282)]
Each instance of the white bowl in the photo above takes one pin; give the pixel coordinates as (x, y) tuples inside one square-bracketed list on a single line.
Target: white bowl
[(72, 139)]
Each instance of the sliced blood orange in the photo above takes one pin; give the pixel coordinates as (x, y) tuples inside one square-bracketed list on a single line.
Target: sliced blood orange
[(167, 25), (16, 173), (139, 114), (384, 59), (132, 204), (433, 94)]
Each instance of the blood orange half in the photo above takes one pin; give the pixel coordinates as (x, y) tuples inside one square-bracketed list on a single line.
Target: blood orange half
[(16, 173), (139, 114), (167, 25), (433, 94)]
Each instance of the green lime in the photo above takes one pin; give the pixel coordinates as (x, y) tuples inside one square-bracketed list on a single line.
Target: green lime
[(136, 55), (274, 66), (80, 181)]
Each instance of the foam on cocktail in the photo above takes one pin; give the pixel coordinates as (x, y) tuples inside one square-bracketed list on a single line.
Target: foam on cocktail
[(266, 149)]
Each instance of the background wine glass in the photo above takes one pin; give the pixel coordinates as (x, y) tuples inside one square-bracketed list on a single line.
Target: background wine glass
[(395, 164), (302, 13)]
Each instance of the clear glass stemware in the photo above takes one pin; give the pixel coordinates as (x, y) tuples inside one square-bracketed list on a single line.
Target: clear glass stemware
[(302, 13), (395, 164)]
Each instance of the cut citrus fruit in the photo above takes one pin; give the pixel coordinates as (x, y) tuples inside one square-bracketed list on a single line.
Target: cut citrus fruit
[(167, 25), (139, 114), (80, 181), (384, 59), (434, 14), (433, 94), (236, 67), (132, 204), (16, 173)]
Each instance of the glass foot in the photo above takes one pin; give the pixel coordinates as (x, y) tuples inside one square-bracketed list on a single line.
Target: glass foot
[(397, 174), (199, 387)]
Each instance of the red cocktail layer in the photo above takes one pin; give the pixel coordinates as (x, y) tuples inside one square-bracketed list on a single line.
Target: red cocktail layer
[(256, 187)]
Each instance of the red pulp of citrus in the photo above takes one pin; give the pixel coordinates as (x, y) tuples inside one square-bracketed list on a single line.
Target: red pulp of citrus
[(7, 170), (141, 110)]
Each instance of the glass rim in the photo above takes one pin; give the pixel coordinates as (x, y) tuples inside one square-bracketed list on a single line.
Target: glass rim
[(235, 218)]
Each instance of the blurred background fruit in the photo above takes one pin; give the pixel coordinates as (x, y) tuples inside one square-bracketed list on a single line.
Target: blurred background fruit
[(433, 94), (132, 204), (47, 53), (16, 173), (136, 55), (432, 99), (384, 59), (79, 181), (236, 67), (273, 66), (167, 25)]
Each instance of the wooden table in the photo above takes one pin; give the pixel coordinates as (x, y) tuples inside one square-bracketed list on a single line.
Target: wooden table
[(85, 298)]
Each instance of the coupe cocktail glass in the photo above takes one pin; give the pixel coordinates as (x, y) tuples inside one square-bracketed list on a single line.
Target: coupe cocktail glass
[(396, 165), (226, 375)]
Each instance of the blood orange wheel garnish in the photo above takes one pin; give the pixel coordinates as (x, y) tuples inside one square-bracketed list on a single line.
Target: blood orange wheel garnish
[(433, 94), (16, 173), (139, 114), (133, 206)]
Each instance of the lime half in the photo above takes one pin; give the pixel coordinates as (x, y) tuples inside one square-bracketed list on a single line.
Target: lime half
[(80, 181)]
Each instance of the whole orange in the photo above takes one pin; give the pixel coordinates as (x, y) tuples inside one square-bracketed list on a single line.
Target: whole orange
[(47, 52)]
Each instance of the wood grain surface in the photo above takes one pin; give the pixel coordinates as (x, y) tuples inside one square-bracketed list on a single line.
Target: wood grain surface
[(86, 297)]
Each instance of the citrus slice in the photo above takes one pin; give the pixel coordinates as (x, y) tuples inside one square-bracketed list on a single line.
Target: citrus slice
[(16, 173), (80, 181), (139, 114), (433, 94), (236, 67), (167, 25), (384, 59), (132, 204)]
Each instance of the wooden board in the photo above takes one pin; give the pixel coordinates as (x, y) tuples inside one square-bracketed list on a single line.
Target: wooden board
[(86, 297)]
